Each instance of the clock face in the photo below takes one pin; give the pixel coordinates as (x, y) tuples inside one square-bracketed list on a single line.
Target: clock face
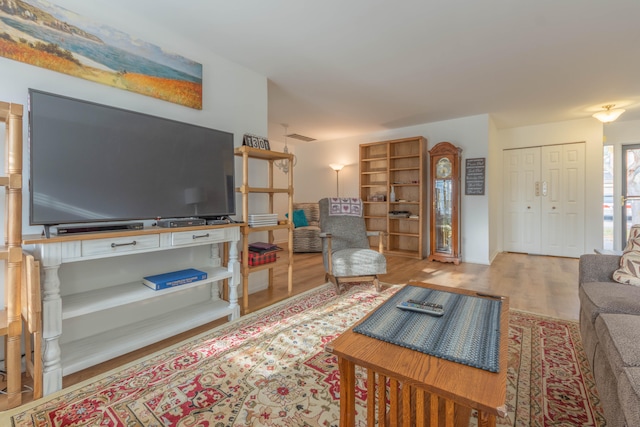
[(443, 168)]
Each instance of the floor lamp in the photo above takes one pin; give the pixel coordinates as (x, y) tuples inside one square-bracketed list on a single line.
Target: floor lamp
[(337, 167)]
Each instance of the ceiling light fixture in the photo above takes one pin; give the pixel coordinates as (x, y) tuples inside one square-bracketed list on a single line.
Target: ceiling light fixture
[(283, 164), (608, 115)]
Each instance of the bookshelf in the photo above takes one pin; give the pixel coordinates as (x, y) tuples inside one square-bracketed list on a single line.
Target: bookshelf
[(270, 191), (395, 167), (11, 253)]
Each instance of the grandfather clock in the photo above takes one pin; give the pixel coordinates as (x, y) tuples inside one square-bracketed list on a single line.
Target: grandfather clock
[(444, 231)]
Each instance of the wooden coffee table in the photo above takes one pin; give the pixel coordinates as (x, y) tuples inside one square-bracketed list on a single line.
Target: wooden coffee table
[(423, 390)]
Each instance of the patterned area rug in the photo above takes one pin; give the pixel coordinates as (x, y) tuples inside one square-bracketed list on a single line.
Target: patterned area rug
[(270, 369)]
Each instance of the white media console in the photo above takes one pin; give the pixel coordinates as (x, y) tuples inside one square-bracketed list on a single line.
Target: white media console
[(95, 306)]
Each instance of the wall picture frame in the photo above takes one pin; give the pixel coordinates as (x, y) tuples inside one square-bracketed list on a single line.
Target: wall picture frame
[(46, 35)]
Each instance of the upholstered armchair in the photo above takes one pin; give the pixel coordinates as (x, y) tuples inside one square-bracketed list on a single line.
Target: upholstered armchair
[(346, 252), (306, 234)]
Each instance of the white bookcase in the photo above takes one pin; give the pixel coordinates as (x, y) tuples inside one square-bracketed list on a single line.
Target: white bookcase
[(95, 306)]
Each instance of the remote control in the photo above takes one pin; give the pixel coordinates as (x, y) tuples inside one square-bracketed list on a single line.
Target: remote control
[(422, 307), (425, 303)]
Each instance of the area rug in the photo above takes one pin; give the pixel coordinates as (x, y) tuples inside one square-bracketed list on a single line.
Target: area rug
[(270, 369)]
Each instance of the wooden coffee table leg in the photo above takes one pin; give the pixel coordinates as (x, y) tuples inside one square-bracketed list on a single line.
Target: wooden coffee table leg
[(486, 420), (394, 401), (433, 409), (382, 400), (371, 395), (449, 413), (347, 392)]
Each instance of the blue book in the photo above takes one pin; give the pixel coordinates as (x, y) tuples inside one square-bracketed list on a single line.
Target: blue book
[(174, 278)]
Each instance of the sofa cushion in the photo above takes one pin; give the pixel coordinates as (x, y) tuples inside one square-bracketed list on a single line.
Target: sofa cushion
[(619, 335), (629, 271), (629, 395), (309, 232), (607, 385), (307, 239), (608, 297), (311, 211), (597, 268), (358, 262), (299, 218)]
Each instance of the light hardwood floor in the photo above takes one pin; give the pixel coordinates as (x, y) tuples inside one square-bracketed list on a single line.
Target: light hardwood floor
[(539, 284)]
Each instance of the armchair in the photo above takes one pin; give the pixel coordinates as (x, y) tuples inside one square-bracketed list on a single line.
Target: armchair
[(306, 238), (346, 252)]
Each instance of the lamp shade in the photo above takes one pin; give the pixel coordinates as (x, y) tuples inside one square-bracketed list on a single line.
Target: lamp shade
[(336, 166), (608, 115)]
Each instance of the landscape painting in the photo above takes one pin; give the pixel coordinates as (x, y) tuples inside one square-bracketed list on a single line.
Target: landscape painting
[(40, 33)]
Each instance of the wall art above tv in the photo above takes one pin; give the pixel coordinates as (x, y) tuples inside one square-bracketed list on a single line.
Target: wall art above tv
[(40, 33)]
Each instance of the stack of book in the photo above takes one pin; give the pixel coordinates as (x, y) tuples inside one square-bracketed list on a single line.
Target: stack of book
[(262, 220), (173, 278), (262, 253), (262, 247)]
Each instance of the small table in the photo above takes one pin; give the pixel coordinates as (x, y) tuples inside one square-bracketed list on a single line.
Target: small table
[(423, 390)]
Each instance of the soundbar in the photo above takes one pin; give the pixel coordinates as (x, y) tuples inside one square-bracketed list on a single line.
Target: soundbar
[(92, 228), (180, 222)]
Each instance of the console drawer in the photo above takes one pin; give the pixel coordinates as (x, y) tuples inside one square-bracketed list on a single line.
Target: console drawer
[(119, 245), (197, 236)]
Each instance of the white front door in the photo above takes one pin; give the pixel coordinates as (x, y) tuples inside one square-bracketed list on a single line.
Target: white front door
[(522, 200), (563, 205), (545, 200)]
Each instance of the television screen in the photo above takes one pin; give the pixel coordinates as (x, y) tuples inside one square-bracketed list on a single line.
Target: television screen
[(96, 163)]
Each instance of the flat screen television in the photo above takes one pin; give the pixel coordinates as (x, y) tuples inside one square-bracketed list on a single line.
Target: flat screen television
[(96, 163)]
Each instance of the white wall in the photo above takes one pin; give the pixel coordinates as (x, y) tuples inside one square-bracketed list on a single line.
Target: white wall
[(234, 98), (494, 190), (314, 179), (622, 133), (583, 130)]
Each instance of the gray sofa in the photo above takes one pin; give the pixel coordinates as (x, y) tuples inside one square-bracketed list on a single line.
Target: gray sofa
[(610, 330)]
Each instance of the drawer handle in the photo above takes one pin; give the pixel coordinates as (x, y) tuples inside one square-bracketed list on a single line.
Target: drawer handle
[(115, 245), (200, 236)]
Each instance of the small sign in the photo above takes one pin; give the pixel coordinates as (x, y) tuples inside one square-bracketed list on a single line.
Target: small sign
[(474, 177), (256, 141)]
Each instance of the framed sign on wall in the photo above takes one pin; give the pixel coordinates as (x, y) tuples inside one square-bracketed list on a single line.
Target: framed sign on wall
[(474, 176)]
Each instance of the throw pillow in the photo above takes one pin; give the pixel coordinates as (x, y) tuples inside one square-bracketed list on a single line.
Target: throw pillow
[(299, 218), (629, 271)]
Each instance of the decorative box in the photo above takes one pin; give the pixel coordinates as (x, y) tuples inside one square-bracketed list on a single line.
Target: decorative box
[(256, 258)]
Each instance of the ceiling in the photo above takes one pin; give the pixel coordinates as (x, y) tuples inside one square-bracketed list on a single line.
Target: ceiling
[(343, 68)]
